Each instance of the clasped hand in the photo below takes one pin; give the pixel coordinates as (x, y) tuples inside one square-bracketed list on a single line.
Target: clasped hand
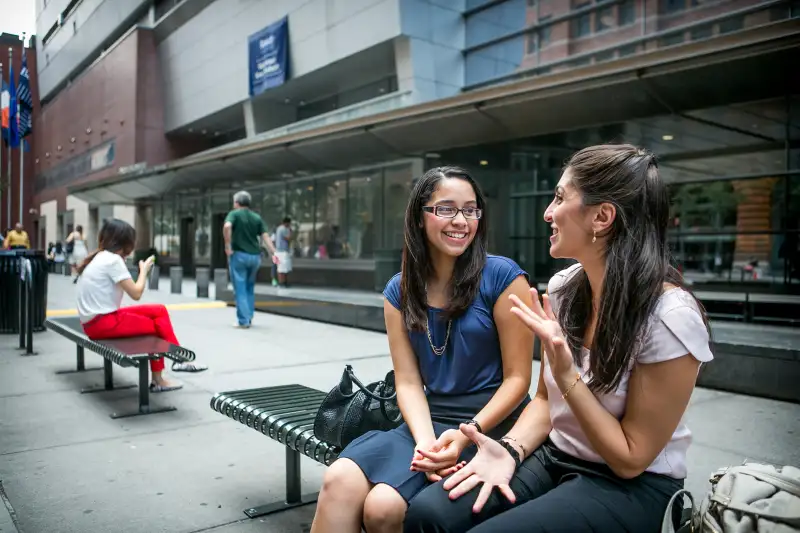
[(439, 458)]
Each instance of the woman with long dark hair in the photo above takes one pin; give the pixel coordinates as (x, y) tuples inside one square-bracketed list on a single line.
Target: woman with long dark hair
[(458, 353), (602, 446), (104, 279)]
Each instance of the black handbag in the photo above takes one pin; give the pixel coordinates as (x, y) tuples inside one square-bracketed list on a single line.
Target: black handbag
[(348, 412)]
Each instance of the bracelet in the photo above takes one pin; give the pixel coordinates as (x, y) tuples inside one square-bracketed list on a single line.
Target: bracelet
[(510, 449), (475, 423), (566, 392), (515, 440)]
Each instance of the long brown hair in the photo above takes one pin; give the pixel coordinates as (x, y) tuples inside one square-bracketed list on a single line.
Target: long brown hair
[(115, 236), (638, 260)]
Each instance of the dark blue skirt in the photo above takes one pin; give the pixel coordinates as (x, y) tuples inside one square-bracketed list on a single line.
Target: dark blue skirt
[(385, 456)]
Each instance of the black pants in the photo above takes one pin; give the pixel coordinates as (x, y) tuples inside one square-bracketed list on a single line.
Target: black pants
[(555, 493)]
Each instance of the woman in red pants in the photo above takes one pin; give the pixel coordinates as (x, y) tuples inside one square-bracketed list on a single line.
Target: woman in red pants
[(104, 279)]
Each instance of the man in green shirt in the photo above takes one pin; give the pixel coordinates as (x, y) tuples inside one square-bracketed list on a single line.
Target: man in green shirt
[(243, 232)]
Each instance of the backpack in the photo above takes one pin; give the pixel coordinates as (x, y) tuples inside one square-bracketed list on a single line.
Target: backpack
[(751, 498)]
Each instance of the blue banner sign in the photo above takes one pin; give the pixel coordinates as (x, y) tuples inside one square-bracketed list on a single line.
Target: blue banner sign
[(269, 57)]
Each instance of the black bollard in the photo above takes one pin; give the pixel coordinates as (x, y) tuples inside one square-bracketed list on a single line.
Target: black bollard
[(23, 293), (29, 323)]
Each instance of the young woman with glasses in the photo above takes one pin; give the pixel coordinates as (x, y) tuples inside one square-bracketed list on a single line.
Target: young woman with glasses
[(602, 446), (459, 355)]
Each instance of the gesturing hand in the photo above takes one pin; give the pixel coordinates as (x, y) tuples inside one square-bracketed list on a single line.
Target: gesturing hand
[(492, 465), (439, 458), (544, 325)]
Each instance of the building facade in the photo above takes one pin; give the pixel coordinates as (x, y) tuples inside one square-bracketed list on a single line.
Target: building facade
[(327, 110)]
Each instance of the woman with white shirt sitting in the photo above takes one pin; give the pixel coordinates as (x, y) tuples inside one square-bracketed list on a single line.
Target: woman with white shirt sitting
[(104, 278), (602, 446)]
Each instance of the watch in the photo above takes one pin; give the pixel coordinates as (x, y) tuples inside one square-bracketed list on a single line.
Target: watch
[(475, 423)]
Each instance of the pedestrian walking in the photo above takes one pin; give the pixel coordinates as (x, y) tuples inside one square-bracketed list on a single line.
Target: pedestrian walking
[(244, 231)]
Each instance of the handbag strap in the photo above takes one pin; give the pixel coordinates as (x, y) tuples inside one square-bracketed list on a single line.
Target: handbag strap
[(365, 390), (666, 524)]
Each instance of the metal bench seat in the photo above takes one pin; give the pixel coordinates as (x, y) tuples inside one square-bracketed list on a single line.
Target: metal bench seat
[(126, 352), (286, 414)]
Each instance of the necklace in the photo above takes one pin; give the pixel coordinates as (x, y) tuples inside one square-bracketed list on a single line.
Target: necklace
[(438, 351)]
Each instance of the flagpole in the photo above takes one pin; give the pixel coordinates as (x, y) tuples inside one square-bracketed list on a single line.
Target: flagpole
[(21, 141), (10, 81)]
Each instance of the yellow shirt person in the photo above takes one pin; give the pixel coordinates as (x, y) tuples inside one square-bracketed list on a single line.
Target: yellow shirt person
[(17, 238)]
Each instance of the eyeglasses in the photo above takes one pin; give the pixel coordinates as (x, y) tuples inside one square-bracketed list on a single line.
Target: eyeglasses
[(448, 211)]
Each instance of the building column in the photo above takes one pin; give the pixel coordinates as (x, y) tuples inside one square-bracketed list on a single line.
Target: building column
[(249, 119), (754, 213), (143, 217)]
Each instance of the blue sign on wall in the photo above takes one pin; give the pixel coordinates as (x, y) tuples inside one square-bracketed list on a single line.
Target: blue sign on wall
[(269, 57)]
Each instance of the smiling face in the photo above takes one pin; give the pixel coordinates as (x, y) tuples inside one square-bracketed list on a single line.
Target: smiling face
[(570, 220), (451, 236)]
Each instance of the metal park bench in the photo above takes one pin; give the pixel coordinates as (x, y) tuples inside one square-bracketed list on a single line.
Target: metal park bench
[(126, 352), (286, 414)]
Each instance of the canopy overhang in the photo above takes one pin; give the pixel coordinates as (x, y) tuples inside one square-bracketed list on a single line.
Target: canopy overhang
[(749, 65)]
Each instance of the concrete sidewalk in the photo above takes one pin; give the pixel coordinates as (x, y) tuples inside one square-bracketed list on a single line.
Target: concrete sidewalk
[(67, 467)]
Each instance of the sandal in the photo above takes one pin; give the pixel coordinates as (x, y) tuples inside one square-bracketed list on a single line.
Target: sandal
[(188, 367), (155, 387)]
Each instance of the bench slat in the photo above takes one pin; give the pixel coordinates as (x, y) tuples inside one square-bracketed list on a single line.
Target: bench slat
[(126, 352), (284, 413)]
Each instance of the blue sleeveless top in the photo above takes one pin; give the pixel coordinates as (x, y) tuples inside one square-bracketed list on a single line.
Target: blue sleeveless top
[(472, 360)]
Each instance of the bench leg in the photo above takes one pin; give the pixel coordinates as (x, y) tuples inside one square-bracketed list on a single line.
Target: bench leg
[(81, 364), (294, 498), (108, 380), (144, 395)]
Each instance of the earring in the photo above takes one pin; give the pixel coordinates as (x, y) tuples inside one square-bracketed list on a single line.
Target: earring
[(594, 235)]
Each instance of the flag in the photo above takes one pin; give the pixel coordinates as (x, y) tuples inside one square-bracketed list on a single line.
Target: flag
[(4, 103), (10, 135), (24, 98)]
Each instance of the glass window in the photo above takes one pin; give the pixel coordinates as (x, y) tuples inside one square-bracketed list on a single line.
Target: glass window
[(626, 13), (670, 40), (300, 207), (396, 190), (727, 228), (531, 43), (331, 217), (495, 60), (493, 22), (272, 205), (732, 24), (166, 235), (581, 26), (671, 6), (701, 32), (604, 19), (364, 199), (544, 31)]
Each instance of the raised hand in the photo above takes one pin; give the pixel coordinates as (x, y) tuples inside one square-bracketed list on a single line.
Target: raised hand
[(146, 265), (492, 466), (542, 322)]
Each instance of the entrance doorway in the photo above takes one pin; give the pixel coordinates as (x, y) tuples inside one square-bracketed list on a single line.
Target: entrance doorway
[(187, 246)]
